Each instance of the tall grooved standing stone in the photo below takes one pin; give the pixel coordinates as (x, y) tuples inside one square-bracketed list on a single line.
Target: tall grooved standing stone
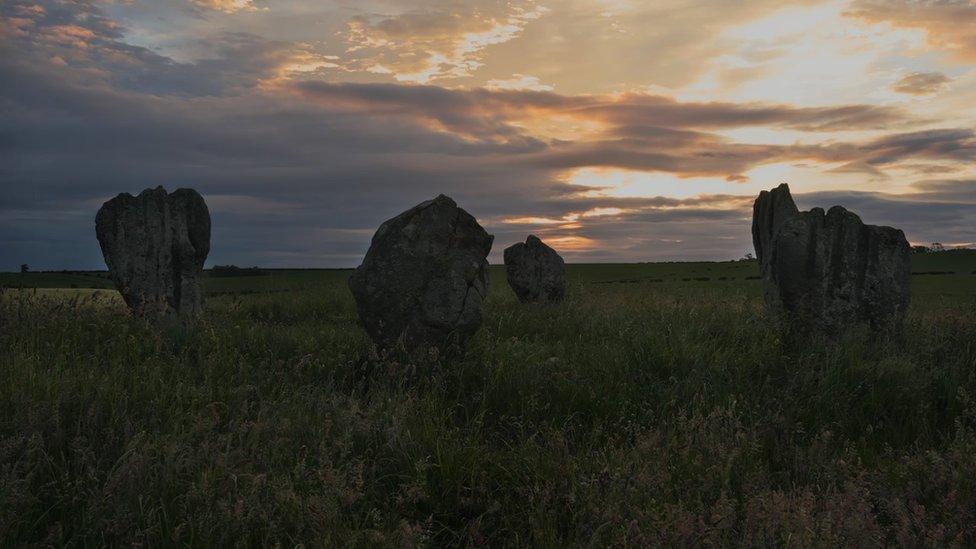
[(769, 212), (154, 245), (424, 277), (535, 271), (830, 271)]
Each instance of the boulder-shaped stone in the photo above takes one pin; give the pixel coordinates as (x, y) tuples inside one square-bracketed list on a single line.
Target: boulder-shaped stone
[(424, 278), (829, 271), (535, 271), (154, 246)]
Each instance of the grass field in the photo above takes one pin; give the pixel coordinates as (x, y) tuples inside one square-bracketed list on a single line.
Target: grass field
[(655, 406)]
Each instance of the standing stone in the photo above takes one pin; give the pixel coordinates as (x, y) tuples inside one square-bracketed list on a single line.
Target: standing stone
[(535, 271), (769, 212), (424, 277), (154, 245), (829, 271)]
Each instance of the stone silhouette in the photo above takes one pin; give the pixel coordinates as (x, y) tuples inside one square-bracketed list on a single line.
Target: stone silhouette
[(829, 271), (535, 271), (424, 278), (769, 212), (154, 245)]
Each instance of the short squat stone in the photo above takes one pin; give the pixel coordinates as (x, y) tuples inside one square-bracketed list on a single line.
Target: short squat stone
[(535, 271), (154, 246), (424, 278)]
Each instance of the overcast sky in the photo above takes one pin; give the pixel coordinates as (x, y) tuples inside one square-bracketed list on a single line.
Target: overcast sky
[(616, 130)]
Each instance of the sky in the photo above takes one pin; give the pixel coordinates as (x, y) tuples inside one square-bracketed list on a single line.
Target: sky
[(615, 130)]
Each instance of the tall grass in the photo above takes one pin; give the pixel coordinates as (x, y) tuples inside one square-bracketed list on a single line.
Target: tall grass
[(630, 415)]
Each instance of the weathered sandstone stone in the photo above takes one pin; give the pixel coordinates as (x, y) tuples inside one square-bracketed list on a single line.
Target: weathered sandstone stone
[(424, 277), (829, 271), (154, 246), (535, 271)]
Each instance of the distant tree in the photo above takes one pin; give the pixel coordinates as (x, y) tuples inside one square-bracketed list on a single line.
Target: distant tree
[(230, 271), (24, 267), (938, 247), (919, 249), (747, 257)]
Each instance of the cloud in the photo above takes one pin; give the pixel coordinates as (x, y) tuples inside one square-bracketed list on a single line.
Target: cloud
[(299, 170), (961, 191), (644, 132), (716, 226), (425, 45), (312, 158), (937, 144), (468, 108), (664, 111), (930, 212), (78, 35), (579, 46), (226, 6), (921, 83), (518, 82), (950, 25), (598, 46)]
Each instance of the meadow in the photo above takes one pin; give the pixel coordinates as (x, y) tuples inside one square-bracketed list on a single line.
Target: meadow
[(656, 406)]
